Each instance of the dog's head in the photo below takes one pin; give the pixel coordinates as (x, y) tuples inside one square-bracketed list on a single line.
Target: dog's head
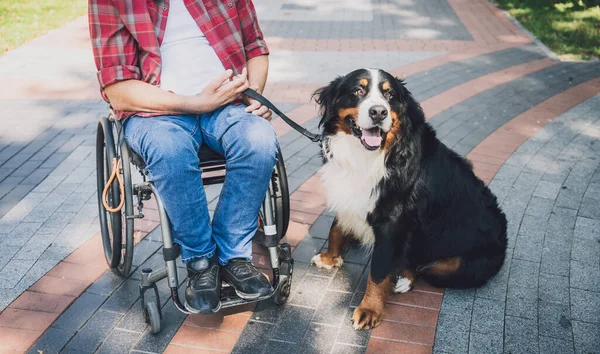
[(370, 104)]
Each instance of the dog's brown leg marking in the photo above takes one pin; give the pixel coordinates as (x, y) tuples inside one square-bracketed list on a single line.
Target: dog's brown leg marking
[(370, 311), (444, 266), (333, 256)]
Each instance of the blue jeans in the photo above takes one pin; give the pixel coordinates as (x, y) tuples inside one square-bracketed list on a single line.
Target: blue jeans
[(169, 145)]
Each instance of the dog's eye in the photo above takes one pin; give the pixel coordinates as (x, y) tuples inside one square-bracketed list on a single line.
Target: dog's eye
[(388, 95), (359, 92)]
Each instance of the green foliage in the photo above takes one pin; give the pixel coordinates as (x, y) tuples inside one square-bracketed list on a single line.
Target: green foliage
[(570, 28), (23, 20)]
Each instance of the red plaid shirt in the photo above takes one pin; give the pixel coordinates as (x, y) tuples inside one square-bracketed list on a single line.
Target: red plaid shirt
[(126, 37)]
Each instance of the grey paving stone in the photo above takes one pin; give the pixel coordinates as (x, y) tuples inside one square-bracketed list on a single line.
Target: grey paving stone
[(348, 335), (134, 319), (585, 305), (122, 299), (310, 291), (6, 253), (585, 276), (37, 176), (171, 321), (529, 249), (26, 169), (524, 274), (521, 335), (119, 341), (318, 339), (554, 288), (533, 227), (347, 277), (268, 312), (495, 288), (293, 323), (554, 345), (357, 254), (450, 340), (276, 346), (488, 316), (590, 208), (555, 257), (488, 343), (555, 320), (347, 349), (333, 308), (586, 251), (522, 302), (322, 272), (94, 332), (308, 248), (587, 228), (80, 311), (17, 160), (540, 207), (548, 190), (13, 271), (51, 341), (458, 301), (106, 284), (254, 338), (320, 229), (586, 337)]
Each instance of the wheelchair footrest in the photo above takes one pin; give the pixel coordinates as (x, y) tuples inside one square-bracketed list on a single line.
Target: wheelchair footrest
[(229, 298)]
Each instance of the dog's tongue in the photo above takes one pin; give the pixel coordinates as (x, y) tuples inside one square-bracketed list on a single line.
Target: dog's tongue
[(371, 137)]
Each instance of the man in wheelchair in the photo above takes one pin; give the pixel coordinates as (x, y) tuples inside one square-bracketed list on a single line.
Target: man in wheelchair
[(174, 72)]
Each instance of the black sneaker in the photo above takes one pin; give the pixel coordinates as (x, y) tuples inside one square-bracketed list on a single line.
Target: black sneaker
[(203, 287), (247, 281)]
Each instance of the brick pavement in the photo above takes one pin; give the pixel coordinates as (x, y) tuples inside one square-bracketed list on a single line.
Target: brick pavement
[(483, 85)]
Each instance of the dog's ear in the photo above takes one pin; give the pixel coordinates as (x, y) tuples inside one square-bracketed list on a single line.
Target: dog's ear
[(413, 108), (325, 98)]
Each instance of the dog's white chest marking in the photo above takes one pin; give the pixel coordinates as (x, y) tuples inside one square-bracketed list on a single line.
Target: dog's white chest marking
[(350, 178)]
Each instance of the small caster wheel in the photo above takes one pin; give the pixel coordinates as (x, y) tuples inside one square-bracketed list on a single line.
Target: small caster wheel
[(153, 317), (283, 293)]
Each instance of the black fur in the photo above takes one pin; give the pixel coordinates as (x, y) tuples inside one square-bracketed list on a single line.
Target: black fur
[(432, 206)]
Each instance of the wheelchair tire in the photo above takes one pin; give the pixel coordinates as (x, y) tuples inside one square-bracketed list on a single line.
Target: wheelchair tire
[(153, 317), (282, 199), (110, 223), (282, 294), (116, 228), (124, 266)]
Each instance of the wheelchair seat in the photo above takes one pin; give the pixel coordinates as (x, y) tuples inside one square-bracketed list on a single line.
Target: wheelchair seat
[(206, 156)]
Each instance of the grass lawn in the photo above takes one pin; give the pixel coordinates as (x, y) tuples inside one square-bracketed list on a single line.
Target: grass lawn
[(23, 20), (570, 29)]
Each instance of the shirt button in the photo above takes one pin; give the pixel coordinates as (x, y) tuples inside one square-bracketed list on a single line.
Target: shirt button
[(230, 5)]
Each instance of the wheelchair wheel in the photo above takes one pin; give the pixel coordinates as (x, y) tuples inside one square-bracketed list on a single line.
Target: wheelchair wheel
[(281, 196), (115, 227)]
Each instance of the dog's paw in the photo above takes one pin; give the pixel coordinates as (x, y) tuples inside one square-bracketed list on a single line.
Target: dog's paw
[(403, 285), (366, 318), (322, 260)]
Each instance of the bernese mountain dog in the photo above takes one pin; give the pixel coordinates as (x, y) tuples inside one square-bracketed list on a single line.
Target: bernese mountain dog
[(397, 189)]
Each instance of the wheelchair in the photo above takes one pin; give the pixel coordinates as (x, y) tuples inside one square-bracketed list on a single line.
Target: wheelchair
[(117, 195)]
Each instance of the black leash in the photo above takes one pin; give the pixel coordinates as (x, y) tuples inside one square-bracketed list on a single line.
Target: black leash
[(265, 102)]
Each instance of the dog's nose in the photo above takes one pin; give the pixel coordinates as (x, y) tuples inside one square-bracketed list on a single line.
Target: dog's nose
[(378, 113)]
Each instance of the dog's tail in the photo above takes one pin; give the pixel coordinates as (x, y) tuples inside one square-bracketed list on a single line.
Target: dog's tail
[(467, 271)]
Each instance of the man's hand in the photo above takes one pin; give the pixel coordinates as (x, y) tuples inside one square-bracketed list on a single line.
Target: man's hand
[(219, 92), (256, 107)]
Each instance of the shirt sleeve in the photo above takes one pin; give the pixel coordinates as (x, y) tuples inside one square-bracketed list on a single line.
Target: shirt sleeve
[(254, 43), (115, 49)]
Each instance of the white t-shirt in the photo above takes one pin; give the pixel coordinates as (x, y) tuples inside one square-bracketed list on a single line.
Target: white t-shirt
[(189, 62)]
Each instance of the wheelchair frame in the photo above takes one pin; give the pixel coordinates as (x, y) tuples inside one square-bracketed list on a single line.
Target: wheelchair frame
[(119, 250)]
